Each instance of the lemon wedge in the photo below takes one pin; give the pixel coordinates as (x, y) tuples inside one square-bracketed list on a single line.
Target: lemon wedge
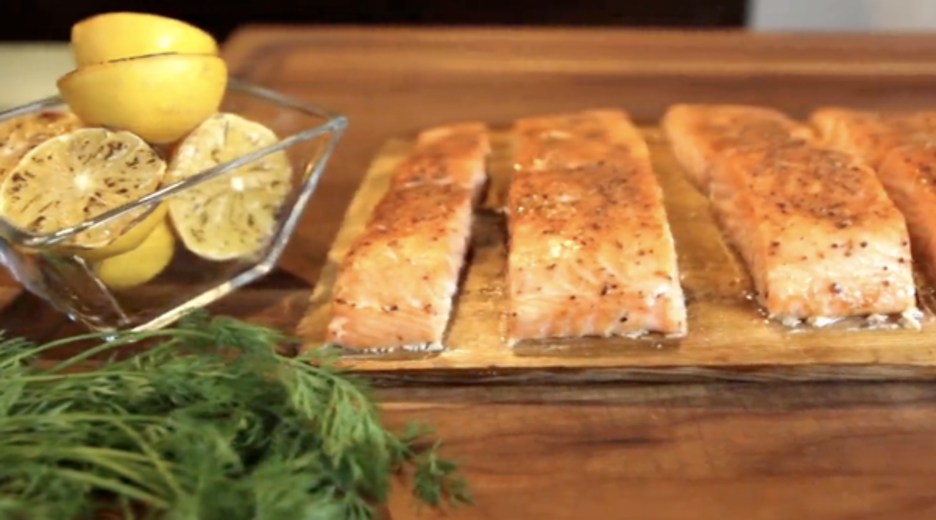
[(77, 176), (159, 97), (117, 35), (19, 135), (140, 264), (231, 216)]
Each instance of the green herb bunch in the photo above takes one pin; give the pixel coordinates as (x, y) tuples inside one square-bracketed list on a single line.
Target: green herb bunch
[(209, 423)]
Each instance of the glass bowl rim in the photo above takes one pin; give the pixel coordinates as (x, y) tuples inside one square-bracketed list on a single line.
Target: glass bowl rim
[(335, 123)]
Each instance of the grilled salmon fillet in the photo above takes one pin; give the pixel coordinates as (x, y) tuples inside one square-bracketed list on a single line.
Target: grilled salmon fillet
[(698, 133), (871, 135), (396, 284), (591, 253), (909, 176), (815, 227), (453, 154), (573, 140)]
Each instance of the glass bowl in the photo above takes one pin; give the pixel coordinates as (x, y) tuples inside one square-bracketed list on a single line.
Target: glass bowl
[(71, 284)]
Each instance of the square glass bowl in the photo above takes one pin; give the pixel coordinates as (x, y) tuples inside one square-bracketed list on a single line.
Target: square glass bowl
[(71, 283)]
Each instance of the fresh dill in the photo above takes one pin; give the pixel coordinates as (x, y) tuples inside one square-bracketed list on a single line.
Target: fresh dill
[(208, 423)]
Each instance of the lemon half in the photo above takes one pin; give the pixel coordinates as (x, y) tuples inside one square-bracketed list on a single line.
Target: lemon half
[(158, 97), (77, 176), (142, 263), (131, 237), (234, 215), (112, 36), (19, 135)]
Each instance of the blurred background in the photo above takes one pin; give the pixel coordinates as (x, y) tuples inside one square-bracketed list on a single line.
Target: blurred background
[(49, 20), (34, 32)]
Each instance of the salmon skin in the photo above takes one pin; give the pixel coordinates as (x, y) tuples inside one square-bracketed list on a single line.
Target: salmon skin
[(585, 138), (699, 133), (452, 154), (396, 284), (590, 252), (820, 237), (871, 135)]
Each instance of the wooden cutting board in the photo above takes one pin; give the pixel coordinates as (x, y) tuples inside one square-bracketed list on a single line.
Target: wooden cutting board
[(729, 338)]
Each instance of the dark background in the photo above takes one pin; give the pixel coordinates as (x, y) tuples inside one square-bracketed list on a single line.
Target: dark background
[(52, 19)]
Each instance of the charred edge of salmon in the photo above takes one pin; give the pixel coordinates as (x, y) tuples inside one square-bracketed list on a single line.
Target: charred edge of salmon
[(397, 285)]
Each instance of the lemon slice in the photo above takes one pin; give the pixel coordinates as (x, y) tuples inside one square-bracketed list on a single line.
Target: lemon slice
[(231, 216), (77, 176), (19, 135), (141, 264)]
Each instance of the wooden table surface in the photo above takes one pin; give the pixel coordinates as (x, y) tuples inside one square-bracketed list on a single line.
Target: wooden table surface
[(630, 451)]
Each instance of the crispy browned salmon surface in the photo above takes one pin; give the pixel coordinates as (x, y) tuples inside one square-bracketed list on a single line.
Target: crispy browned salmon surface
[(814, 225), (395, 286), (453, 154), (871, 135), (573, 140), (698, 133), (591, 253)]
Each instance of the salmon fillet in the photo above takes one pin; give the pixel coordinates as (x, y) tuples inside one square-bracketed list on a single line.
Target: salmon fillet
[(814, 225), (870, 135), (574, 140), (909, 176), (591, 253), (726, 129), (453, 154), (396, 284)]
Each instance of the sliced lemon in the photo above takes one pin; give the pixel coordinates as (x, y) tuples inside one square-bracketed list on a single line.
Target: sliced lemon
[(19, 135), (234, 215), (77, 176), (159, 97), (141, 264), (112, 36)]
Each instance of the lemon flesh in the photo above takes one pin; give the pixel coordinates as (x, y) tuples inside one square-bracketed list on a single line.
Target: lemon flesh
[(77, 176), (234, 215), (117, 35), (141, 264), (157, 97), (19, 135)]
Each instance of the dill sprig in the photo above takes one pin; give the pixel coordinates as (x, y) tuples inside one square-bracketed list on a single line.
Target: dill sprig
[(208, 423)]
